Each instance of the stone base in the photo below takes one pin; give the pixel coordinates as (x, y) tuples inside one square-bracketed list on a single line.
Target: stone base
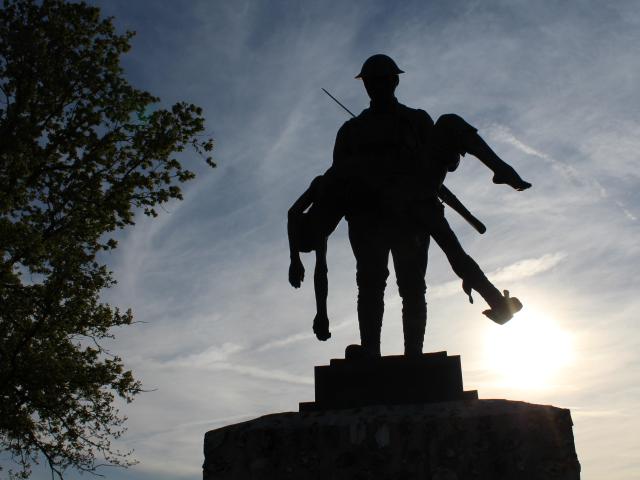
[(390, 380), (459, 440)]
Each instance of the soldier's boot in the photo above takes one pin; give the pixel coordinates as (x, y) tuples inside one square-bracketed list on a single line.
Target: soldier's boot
[(370, 336), (501, 312), (370, 312), (502, 307), (369, 349), (413, 329), (414, 322), (357, 352)]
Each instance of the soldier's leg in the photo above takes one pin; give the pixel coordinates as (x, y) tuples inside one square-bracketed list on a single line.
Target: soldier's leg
[(462, 264), (454, 134), (502, 307), (372, 256), (410, 252)]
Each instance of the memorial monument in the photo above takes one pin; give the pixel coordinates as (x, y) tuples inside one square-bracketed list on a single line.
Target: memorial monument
[(405, 416)]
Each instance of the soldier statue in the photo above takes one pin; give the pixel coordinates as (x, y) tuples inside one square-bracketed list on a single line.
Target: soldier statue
[(389, 164)]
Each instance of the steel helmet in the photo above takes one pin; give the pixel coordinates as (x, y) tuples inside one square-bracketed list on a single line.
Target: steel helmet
[(379, 65)]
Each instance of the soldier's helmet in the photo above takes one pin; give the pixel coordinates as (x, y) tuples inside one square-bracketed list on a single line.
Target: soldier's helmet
[(379, 65)]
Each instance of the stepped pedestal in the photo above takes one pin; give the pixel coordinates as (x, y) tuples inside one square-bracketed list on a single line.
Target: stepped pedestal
[(392, 380), (397, 419)]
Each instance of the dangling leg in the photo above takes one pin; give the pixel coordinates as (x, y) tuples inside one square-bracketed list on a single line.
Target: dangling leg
[(502, 307)]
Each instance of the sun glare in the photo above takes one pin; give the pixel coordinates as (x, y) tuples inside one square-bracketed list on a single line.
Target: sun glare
[(529, 351)]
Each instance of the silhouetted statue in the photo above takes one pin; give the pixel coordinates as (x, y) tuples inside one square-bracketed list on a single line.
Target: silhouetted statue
[(389, 163)]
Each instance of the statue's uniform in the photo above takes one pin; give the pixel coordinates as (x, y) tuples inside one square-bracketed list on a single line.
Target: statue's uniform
[(391, 161), (378, 156)]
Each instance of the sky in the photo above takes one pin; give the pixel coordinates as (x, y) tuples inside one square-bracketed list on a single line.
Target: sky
[(222, 338)]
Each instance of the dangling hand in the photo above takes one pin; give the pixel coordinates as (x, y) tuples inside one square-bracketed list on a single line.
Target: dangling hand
[(321, 327), (296, 272)]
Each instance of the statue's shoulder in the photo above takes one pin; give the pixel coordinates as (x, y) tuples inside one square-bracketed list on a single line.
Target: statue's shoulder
[(316, 183), (351, 125), (416, 115), (362, 116)]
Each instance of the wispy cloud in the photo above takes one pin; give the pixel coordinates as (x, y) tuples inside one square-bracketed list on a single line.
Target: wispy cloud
[(227, 358), (298, 337), (517, 271), (209, 357), (263, 373), (528, 267), (577, 412), (502, 133)]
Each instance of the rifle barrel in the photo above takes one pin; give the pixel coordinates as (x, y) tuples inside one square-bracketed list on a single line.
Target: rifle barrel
[(338, 102)]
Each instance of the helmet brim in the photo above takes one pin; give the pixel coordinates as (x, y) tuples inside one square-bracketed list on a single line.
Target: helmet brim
[(362, 75)]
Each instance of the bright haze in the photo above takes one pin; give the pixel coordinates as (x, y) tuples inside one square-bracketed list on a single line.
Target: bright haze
[(551, 86)]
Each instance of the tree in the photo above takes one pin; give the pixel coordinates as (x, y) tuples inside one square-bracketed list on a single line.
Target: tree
[(81, 151)]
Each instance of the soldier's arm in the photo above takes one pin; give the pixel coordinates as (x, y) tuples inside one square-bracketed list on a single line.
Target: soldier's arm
[(341, 152), (425, 126), (502, 171), (301, 204), (422, 125)]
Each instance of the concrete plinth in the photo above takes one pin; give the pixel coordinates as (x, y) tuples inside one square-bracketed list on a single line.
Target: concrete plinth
[(455, 440)]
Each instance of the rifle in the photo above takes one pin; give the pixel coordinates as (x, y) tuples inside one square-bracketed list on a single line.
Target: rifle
[(450, 199), (444, 193)]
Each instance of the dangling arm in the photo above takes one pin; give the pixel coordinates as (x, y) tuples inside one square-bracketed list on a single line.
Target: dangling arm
[(321, 286), (456, 134), (296, 269), (502, 171)]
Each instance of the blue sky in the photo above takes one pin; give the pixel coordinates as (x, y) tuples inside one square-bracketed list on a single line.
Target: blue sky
[(552, 86)]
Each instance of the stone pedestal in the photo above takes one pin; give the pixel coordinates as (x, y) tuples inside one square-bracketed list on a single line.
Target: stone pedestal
[(397, 418), (460, 440), (391, 380)]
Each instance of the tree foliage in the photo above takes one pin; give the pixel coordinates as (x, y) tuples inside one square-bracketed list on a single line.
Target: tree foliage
[(81, 151)]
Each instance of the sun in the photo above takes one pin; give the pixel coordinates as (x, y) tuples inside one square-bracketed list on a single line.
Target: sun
[(529, 352)]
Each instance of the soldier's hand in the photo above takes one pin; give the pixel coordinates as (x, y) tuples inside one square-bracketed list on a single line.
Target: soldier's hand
[(296, 273)]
